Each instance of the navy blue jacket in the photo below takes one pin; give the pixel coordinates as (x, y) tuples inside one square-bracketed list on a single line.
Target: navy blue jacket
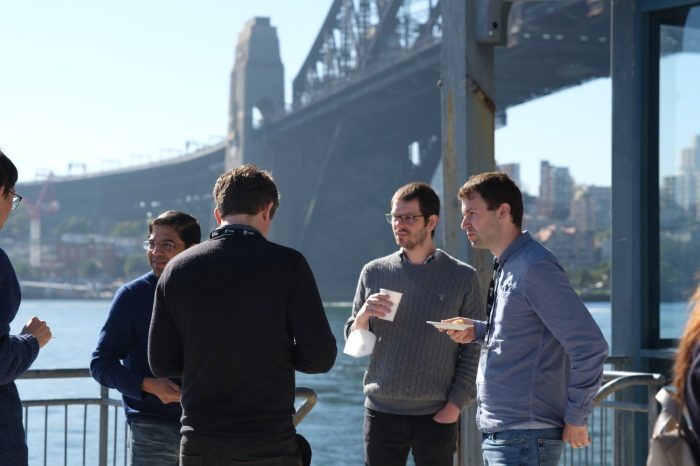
[(120, 360), (17, 353)]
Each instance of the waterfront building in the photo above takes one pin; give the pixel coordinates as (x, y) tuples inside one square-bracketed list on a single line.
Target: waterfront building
[(590, 208), (683, 190), (556, 186), (575, 249), (512, 170)]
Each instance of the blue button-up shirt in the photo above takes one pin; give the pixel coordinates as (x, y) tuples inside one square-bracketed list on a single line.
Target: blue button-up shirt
[(544, 360)]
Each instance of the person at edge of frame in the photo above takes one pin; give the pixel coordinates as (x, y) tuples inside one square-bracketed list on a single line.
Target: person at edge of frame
[(17, 352)]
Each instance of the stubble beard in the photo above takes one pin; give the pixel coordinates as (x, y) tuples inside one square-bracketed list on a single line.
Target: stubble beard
[(412, 240)]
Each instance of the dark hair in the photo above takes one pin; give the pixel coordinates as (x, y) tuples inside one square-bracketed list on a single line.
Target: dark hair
[(496, 188), (185, 226), (428, 200), (8, 173), (245, 190)]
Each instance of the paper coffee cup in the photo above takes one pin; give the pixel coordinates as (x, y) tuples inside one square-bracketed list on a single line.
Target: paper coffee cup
[(395, 298), (360, 343)]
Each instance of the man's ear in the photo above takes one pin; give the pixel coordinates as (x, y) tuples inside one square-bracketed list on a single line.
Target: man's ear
[(266, 212), (432, 222), (503, 210), (217, 216)]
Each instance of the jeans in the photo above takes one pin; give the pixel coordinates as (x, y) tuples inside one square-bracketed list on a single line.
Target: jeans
[(210, 450), (389, 438), (154, 444), (515, 447)]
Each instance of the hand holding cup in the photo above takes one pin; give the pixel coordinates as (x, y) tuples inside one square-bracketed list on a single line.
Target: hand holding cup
[(377, 305), (395, 298)]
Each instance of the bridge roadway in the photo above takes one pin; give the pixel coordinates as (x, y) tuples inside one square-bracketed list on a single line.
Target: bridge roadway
[(133, 194), (343, 149)]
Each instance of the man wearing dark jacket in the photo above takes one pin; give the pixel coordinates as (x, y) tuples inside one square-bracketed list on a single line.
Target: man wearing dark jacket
[(151, 403), (235, 317), (17, 352)]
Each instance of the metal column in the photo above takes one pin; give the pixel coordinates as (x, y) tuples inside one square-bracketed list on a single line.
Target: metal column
[(467, 100)]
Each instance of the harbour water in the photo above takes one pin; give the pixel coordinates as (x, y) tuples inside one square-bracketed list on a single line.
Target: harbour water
[(334, 427)]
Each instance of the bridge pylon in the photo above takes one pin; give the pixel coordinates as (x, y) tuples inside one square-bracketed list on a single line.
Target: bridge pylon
[(257, 91)]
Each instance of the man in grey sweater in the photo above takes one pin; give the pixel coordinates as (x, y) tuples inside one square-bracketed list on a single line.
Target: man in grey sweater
[(418, 380)]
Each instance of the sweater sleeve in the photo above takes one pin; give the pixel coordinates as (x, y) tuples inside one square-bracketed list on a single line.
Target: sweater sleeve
[(314, 344), (548, 290), (463, 389), (165, 351), (17, 352), (357, 302), (113, 346)]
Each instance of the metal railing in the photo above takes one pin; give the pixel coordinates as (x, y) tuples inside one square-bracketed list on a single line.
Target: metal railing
[(95, 442), (89, 443), (103, 437)]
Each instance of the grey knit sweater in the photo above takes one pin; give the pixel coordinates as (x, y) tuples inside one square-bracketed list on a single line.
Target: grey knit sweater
[(415, 369)]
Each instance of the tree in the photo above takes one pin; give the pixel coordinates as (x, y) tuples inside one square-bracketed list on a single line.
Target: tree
[(90, 269), (17, 226), (135, 265), (74, 224), (129, 229)]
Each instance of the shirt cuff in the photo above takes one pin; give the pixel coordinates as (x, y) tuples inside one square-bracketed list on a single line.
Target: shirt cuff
[(32, 341), (479, 330), (576, 416)]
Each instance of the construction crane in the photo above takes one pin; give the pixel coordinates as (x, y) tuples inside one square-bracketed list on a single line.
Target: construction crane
[(36, 207)]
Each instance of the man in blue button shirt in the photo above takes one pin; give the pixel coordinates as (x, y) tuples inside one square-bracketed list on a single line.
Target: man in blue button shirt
[(542, 353), (152, 404)]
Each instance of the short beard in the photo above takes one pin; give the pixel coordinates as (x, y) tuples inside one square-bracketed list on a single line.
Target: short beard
[(414, 239)]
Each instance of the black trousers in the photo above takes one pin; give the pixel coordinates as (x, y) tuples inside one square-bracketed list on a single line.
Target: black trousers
[(204, 450), (389, 438)]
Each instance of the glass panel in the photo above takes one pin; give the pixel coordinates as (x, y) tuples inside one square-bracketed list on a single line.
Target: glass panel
[(679, 165)]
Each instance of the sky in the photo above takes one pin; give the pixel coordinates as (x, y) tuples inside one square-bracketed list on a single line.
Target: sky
[(101, 85), (114, 83)]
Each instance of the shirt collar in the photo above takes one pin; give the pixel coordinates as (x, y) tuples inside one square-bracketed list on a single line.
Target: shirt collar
[(517, 243), (233, 228), (428, 259)]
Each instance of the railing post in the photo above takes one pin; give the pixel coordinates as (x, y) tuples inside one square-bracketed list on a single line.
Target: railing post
[(104, 425)]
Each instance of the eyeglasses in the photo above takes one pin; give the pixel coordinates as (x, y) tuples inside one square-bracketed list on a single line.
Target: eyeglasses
[(16, 199), (407, 219), (167, 246)]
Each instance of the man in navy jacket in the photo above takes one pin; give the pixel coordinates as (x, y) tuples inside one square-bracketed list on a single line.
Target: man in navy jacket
[(152, 404), (17, 352)]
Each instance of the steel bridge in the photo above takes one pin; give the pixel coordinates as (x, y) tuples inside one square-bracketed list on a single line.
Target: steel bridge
[(366, 112), (365, 118)]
